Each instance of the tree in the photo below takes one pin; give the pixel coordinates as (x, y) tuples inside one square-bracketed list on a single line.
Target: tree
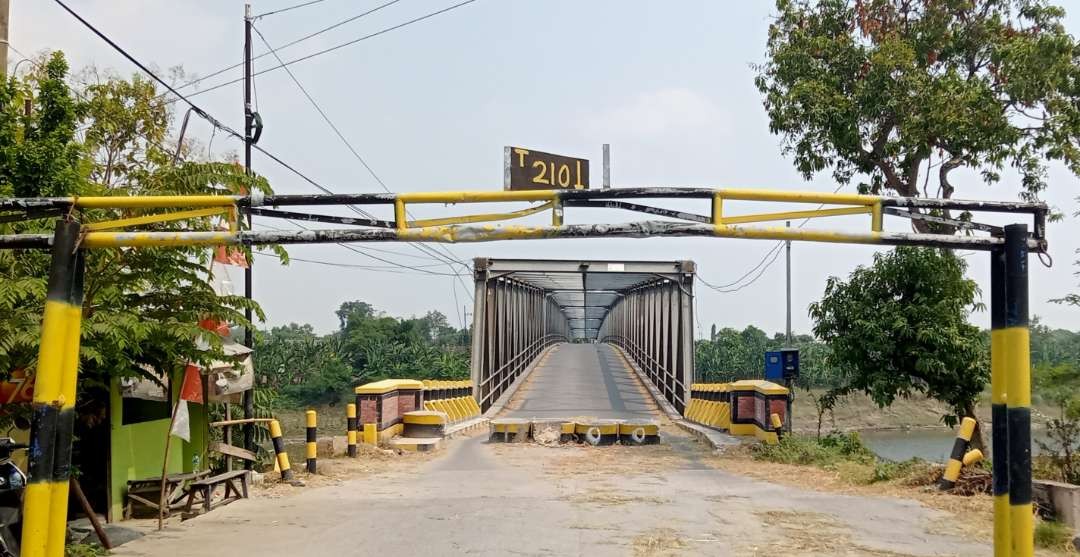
[(889, 90), (900, 328), (141, 306)]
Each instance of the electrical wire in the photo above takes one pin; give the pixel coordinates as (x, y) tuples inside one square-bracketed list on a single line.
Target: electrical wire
[(290, 8), (449, 258), (337, 47), (775, 252), (289, 44), (378, 268)]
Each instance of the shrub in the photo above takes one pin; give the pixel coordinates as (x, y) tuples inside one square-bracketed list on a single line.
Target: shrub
[(1052, 535)]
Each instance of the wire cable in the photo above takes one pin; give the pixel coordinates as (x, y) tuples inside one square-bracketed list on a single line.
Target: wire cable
[(290, 8), (289, 44), (451, 260), (337, 47)]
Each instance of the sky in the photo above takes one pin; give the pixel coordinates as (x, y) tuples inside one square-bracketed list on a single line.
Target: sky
[(430, 106)]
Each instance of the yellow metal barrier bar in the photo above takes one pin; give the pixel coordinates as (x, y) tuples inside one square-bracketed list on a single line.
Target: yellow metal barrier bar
[(158, 239), (792, 215), (798, 196), (876, 217), (479, 218), (155, 201), (476, 196), (717, 209), (149, 219)]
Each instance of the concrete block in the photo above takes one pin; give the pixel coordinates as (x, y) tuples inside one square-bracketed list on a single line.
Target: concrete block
[(639, 432), (510, 430), (1063, 498), (598, 432), (552, 432), (425, 423)]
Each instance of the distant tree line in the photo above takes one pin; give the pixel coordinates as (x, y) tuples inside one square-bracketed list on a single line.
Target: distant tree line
[(732, 354), (303, 367)]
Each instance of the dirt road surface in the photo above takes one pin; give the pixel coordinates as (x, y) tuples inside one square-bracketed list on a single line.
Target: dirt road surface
[(478, 498)]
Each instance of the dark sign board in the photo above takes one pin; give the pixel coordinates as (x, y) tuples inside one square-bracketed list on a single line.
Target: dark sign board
[(525, 169)]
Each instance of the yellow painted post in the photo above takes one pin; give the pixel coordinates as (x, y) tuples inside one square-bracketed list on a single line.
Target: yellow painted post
[(45, 498), (312, 440), (1018, 387), (350, 421), (279, 450), (371, 435), (876, 217), (717, 210), (399, 214), (999, 406), (556, 212), (956, 457)]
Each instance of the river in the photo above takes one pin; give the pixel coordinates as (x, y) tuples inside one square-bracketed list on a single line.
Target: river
[(929, 444)]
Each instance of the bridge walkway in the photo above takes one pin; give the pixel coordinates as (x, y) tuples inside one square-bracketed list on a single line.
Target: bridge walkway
[(582, 380)]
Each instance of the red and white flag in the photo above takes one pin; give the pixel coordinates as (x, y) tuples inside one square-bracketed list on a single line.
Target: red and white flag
[(190, 391)]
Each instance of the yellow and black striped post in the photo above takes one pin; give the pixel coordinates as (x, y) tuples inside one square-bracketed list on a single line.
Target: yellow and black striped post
[(46, 497), (350, 424), (312, 436), (998, 406), (279, 451), (959, 450), (1017, 345)]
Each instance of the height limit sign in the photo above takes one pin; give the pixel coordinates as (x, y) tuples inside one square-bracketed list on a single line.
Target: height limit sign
[(526, 169)]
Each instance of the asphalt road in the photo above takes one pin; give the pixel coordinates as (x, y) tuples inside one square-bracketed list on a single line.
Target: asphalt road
[(582, 380)]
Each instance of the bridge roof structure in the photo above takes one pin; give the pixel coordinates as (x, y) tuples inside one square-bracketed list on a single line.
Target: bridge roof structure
[(585, 290)]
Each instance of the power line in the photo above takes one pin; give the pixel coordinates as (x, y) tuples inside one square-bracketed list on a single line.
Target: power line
[(283, 10), (337, 47), (378, 268), (289, 44), (449, 258), (775, 252)]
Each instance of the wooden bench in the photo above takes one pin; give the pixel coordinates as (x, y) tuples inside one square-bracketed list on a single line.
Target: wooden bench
[(202, 491), (145, 492)]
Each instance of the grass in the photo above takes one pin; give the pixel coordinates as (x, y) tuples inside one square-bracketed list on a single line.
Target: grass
[(843, 453), (1050, 534), (84, 550)]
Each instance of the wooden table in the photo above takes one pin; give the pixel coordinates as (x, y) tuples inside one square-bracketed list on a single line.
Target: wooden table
[(147, 491)]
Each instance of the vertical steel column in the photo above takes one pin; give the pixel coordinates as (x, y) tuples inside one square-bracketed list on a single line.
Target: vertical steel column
[(998, 404), (1018, 389), (479, 332), (46, 497)]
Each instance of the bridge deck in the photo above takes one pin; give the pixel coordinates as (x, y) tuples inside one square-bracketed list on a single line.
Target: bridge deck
[(582, 380)]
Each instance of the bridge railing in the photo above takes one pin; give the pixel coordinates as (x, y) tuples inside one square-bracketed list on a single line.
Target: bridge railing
[(653, 325), (513, 322)]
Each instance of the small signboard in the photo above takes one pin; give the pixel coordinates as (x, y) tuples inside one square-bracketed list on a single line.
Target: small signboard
[(525, 169)]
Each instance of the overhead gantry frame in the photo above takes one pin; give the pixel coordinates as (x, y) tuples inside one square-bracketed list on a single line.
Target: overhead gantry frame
[(115, 222)]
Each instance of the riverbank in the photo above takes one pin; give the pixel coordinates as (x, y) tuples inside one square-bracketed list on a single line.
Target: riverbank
[(857, 412)]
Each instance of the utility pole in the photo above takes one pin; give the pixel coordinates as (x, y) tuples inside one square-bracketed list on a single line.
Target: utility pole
[(249, 395), (5, 16), (787, 248), (607, 167)]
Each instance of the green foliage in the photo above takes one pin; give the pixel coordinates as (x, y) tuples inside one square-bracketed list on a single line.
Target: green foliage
[(900, 328), (1050, 534), (39, 153), (891, 90), (141, 306), (307, 368), (85, 550), (1060, 385), (824, 452), (732, 355)]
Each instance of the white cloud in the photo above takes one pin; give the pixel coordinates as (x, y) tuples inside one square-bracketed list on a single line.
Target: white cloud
[(669, 111)]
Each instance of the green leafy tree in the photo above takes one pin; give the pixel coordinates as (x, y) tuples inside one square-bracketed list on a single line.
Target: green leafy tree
[(889, 92), (142, 306), (900, 328)]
